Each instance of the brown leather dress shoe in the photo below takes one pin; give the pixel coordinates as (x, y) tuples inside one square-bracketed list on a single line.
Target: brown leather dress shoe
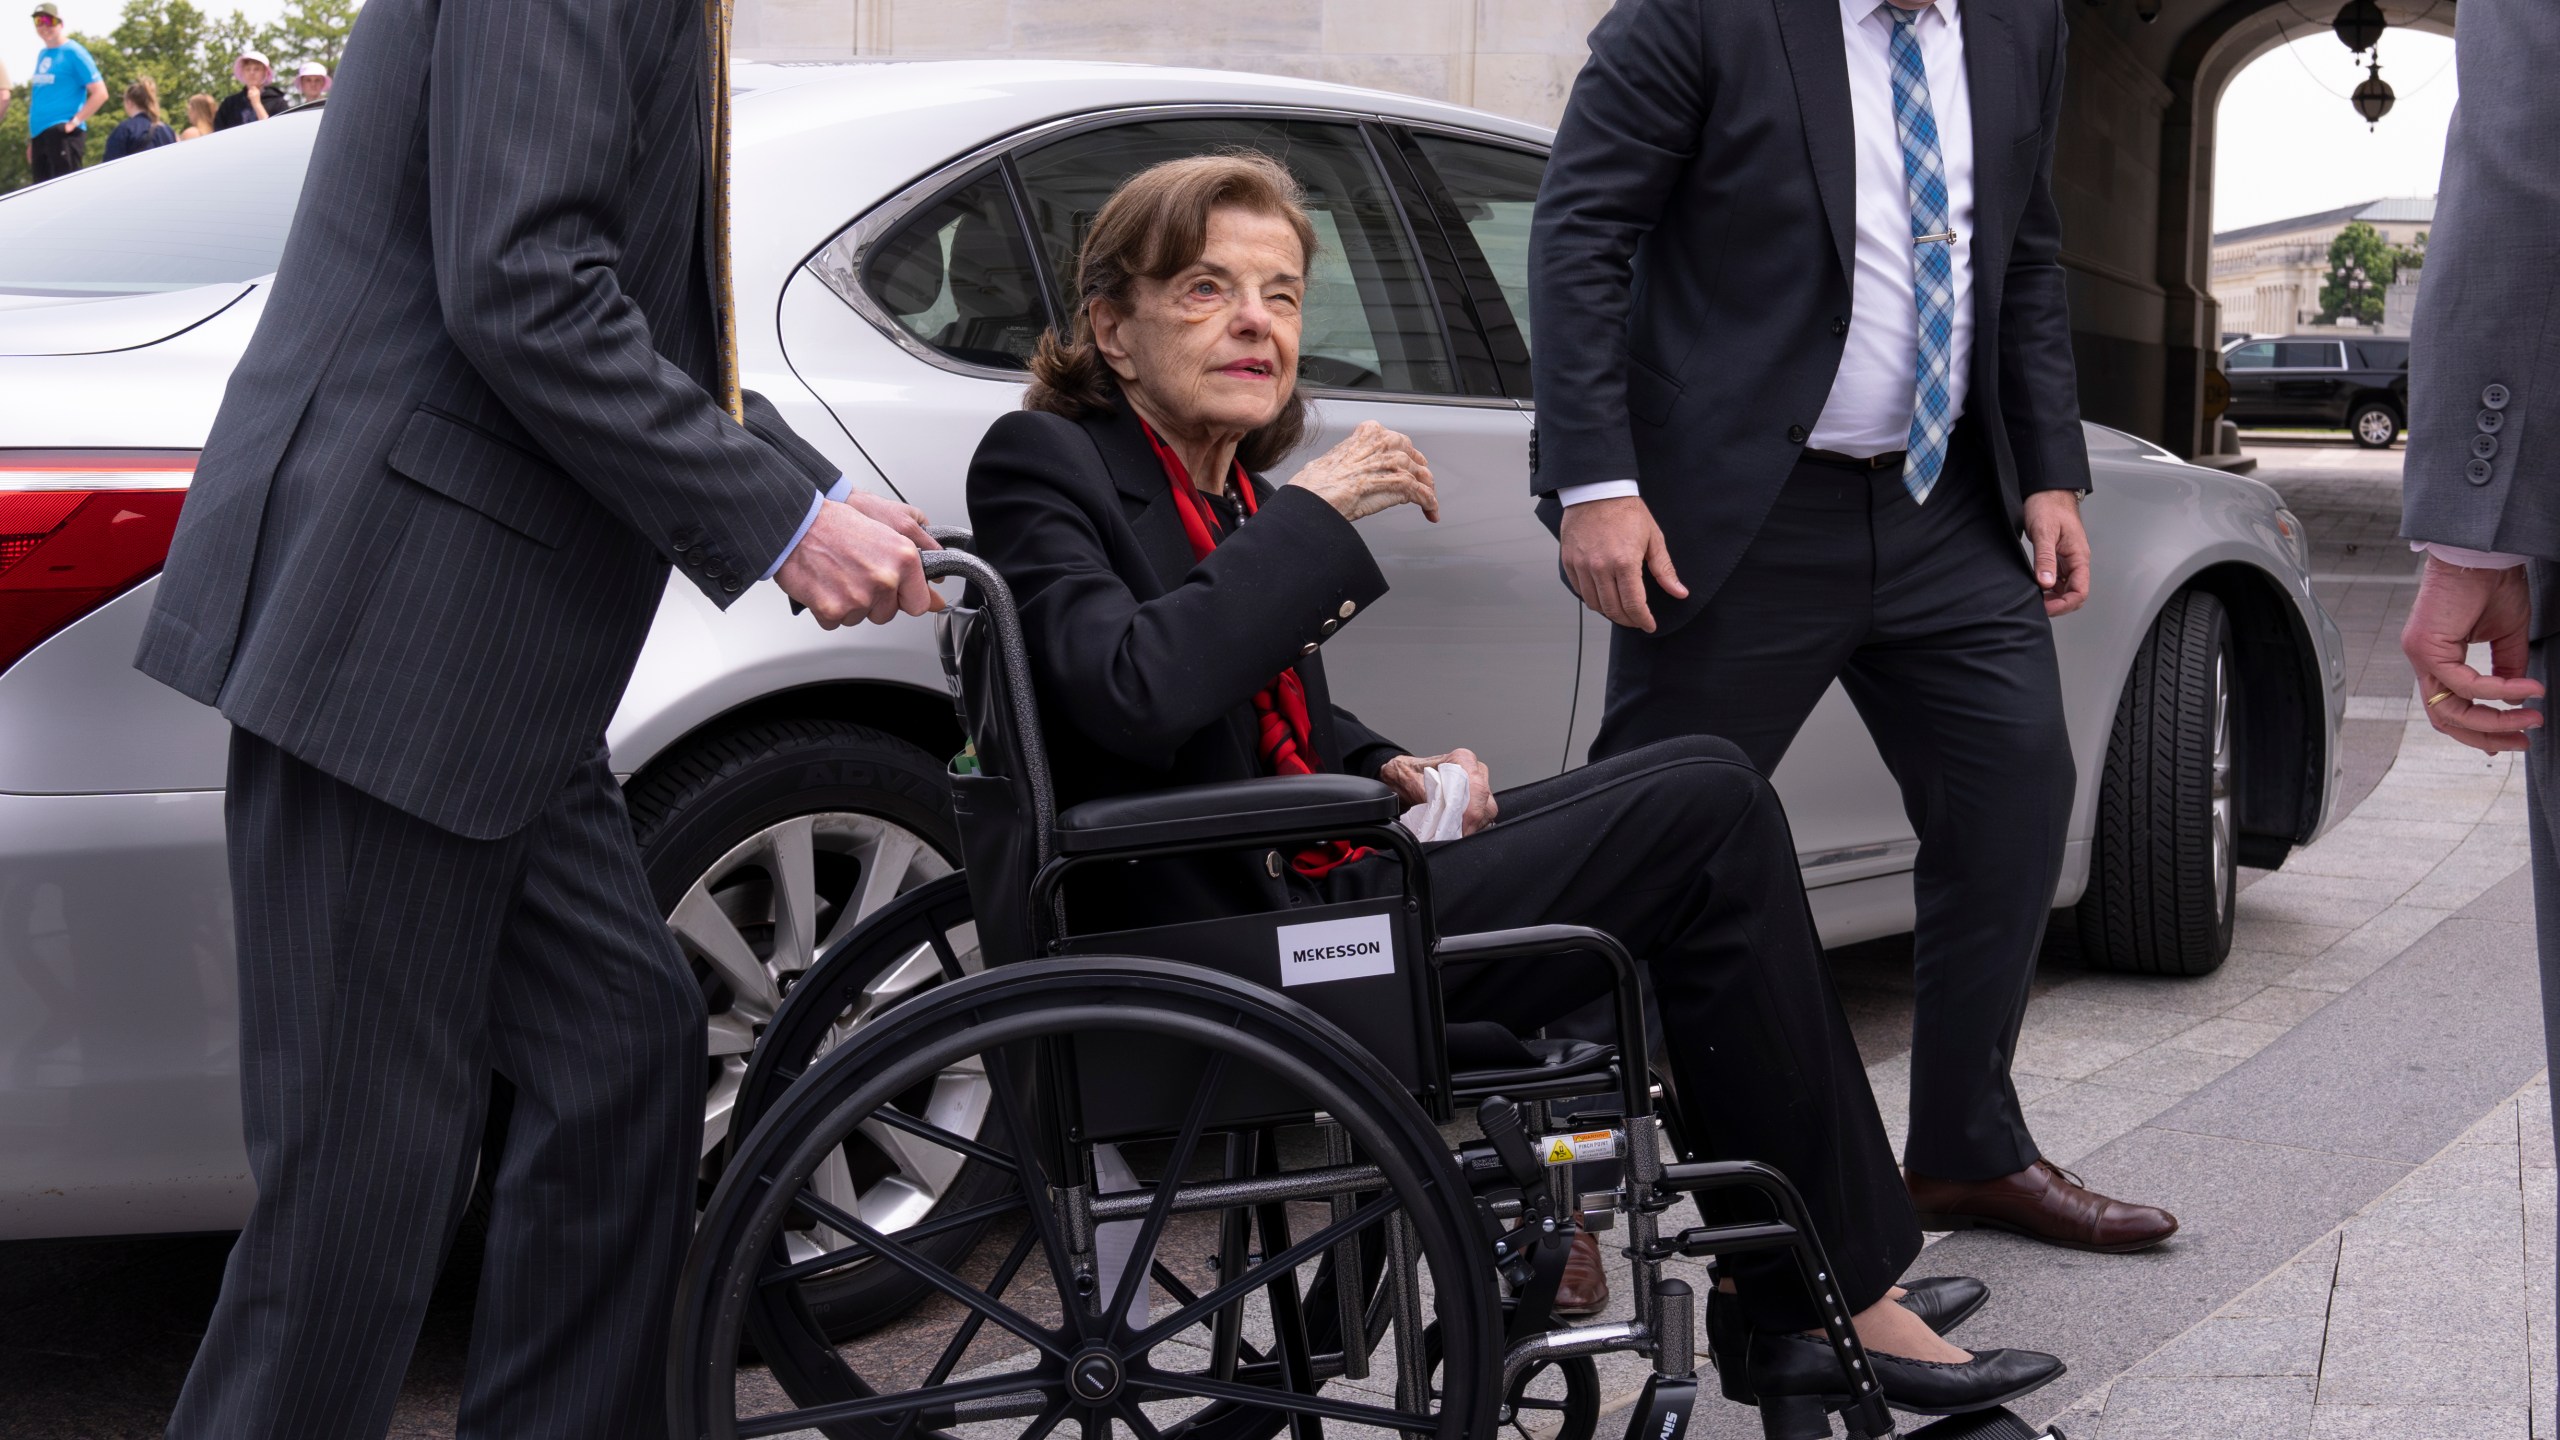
[(2042, 1202), (1584, 1290)]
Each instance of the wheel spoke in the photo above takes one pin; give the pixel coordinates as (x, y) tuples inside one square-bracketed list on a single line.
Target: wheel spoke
[(934, 1275), (914, 1234), (700, 923), (896, 1119), (1177, 1164), (913, 971), (1270, 1270), (929, 1165), (1182, 1295), (732, 1035), (905, 1402), (884, 870), (1035, 1185), (720, 1104), (1137, 1419), (832, 1181), (1292, 1401), (795, 893)]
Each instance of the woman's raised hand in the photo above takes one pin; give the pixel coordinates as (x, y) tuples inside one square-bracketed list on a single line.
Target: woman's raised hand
[(1372, 470)]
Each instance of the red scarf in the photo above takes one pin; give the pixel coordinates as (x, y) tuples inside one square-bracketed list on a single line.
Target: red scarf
[(1285, 736)]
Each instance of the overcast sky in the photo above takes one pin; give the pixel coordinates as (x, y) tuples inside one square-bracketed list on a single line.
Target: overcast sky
[(2290, 144)]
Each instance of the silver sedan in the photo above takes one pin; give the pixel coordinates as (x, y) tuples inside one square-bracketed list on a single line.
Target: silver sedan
[(903, 237)]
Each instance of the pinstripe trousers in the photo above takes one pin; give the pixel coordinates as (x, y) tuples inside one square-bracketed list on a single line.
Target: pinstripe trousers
[(387, 967)]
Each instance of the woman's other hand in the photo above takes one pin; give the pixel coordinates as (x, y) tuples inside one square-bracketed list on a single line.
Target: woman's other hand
[(1372, 470), (1404, 775)]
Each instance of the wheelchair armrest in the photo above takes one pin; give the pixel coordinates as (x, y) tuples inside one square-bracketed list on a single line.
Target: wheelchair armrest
[(1241, 811)]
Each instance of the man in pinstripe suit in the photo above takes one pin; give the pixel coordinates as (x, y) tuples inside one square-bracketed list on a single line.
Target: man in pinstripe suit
[(491, 400)]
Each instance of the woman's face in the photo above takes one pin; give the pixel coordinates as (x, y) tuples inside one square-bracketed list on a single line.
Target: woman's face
[(1214, 347)]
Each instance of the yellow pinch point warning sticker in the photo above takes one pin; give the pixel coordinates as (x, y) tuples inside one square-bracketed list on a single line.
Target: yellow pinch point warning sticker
[(1580, 1145)]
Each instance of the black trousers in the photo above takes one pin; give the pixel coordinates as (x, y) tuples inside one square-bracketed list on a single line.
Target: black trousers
[(1929, 616), (1681, 851), (57, 152), (386, 969)]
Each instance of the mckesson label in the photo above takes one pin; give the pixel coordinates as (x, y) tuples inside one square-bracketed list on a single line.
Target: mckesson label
[(1337, 950)]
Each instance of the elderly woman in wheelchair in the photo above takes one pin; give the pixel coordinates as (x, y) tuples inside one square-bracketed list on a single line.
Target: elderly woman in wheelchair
[(1160, 769)]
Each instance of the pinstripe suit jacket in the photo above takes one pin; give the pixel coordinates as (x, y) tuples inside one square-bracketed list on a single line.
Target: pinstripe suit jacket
[(433, 519), (2483, 476)]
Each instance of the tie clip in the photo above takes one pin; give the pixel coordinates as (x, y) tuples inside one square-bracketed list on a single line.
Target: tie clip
[(1942, 237)]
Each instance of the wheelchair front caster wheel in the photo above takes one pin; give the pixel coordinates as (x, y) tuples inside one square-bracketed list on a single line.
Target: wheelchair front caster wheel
[(1552, 1400)]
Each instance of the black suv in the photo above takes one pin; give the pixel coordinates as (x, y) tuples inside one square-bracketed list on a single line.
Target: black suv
[(2328, 382)]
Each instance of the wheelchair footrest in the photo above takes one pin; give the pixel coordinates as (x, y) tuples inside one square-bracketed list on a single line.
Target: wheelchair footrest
[(1700, 1241), (1998, 1424)]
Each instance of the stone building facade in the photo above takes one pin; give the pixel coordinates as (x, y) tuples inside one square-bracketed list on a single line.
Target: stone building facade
[(1514, 57), (2267, 277)]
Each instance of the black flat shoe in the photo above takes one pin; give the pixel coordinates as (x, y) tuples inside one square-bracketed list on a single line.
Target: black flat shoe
[(1791, 1367), (1944, 1302)]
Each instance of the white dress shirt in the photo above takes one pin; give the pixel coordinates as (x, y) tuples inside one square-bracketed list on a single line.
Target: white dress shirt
[(1869, 409)]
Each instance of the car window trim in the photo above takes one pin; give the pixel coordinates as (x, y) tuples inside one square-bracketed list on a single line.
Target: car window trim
[(836, 262), (1492, 308), (1444, 272)]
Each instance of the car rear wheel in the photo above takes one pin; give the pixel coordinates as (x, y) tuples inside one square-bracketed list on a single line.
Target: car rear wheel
[(2164, 864), (2375, 425), (765, 846)]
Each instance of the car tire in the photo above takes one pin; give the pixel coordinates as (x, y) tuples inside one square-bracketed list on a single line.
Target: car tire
[(2163, 865), (869, 817), (2374, 424)]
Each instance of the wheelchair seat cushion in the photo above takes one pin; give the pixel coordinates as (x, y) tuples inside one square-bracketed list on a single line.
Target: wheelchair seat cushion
[(1245, 811), (1484, 1056)]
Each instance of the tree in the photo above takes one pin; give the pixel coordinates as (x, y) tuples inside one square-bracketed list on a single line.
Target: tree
[(185, 51), (2361, 266)]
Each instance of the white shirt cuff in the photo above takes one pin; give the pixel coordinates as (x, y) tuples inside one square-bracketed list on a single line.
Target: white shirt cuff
[(1597, 490), (2468, 559), (838, 492)]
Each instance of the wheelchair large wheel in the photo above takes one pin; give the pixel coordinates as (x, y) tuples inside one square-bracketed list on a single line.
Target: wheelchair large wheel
[(919, 941), (1018, 1338)]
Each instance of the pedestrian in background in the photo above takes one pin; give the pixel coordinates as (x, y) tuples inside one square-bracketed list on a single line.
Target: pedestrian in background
[(143, 128), (258, 96), (63, 93), (199, 117), (310, 85)]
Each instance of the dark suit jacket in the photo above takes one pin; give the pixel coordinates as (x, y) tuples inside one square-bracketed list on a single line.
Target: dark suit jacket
[(435, 515), (1690, 263), (1146, 661)]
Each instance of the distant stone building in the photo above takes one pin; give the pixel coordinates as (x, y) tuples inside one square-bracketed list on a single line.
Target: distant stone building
[(1514, 57), (2267, 277)]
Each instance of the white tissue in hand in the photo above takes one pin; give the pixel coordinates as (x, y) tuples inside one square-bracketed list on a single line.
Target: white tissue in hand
[(1442, 814)]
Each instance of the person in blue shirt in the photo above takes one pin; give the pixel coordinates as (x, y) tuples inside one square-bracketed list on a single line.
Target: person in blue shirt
[(143, 129), (65, 91)]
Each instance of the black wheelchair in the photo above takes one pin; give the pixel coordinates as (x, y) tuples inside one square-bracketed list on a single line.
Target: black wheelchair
[(1203, 1181)]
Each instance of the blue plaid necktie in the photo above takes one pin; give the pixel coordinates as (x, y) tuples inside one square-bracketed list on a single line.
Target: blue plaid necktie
[(1924, 182)]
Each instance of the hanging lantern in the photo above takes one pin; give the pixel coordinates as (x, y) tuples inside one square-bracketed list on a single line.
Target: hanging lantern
[(2373, 98), (2359, 25)]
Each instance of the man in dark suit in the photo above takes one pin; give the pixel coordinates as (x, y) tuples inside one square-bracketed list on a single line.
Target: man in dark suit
[(1803, 374), (492, 398)]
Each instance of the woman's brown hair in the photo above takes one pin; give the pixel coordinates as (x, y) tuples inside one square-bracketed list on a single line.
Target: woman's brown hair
[(1151, 228), (200, 111), (144, 96)]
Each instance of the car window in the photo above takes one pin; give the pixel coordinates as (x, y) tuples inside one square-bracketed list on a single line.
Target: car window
[(2308, 355), (204, 213), (2257, 355), (1496, 191), (1369, 322), (2383, 354), (957, 276)]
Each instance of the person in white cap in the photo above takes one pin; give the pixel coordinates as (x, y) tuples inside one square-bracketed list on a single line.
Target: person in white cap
[(310, 83), (258, 96)]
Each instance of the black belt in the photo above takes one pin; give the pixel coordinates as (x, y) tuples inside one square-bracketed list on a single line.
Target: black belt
[(1889, 460)]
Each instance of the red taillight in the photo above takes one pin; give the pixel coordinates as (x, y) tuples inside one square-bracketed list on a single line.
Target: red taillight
[(77, 529)]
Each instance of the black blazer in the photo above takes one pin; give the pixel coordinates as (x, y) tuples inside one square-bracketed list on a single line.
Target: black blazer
[(1689, 266), (1147, 661), (436, 512)]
